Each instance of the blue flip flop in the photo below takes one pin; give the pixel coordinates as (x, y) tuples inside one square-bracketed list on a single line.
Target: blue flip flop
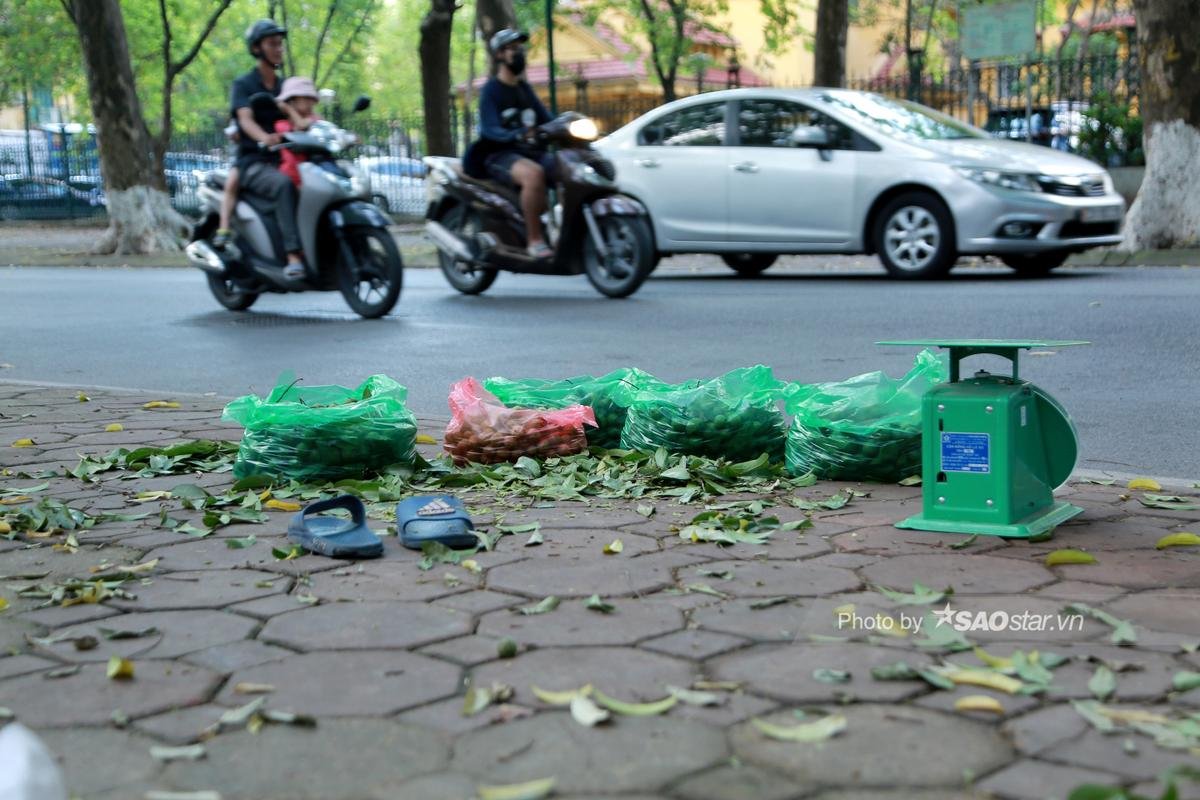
[(332, 536), (434, 518)]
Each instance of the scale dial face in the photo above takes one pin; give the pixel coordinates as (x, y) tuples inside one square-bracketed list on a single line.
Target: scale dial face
[(1059, 439)]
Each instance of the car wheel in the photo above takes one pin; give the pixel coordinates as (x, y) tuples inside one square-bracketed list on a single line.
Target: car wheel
[(1035, 265), (914, 236), (749, 265)]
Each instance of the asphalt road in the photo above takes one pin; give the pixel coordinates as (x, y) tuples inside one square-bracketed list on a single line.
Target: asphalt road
[(1134, 393)]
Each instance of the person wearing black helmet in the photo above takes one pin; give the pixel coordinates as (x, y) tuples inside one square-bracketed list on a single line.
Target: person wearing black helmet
[(258, 166), (504, 152)]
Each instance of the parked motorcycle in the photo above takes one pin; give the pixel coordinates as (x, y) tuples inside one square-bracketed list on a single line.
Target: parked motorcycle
[(344, 237), (479, 229)]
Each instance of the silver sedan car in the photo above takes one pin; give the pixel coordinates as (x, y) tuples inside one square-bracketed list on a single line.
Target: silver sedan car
[(751, 174)]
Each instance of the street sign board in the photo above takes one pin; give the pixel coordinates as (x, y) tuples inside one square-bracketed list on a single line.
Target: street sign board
[(998, 30)]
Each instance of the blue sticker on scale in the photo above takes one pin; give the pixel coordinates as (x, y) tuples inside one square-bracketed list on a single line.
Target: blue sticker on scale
[(966, 452)]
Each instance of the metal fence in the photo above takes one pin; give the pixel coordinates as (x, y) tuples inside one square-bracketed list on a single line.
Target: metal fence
[(1044, 102), (54, 171)]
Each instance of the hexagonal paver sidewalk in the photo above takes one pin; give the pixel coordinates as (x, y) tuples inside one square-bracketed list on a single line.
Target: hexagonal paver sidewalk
[(303, 677)]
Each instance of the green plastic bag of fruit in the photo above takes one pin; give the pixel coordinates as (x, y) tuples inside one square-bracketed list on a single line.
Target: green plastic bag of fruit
[(735, 416), (323, 433), (608, 396), (866, 428)]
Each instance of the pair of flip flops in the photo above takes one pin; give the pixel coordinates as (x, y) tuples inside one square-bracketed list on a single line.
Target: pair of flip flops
[(440, 518)]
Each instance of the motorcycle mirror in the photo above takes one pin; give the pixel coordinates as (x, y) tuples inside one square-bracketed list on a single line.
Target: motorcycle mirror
[(529, 118), (362, 103)]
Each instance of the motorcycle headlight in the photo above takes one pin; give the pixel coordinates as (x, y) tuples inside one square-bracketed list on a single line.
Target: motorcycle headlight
[(583, 129), (1019, 181), (587, 174)]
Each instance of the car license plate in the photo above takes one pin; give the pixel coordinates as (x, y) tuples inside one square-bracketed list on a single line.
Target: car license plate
[(1101, 214)]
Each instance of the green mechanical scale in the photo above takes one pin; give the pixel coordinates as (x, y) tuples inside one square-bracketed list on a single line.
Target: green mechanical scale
[(993, 448)]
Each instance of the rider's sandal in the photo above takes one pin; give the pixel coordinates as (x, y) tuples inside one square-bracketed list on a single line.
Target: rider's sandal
[(221, 238)]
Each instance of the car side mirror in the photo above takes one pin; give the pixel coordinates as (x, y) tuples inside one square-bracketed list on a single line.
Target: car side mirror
[(362, 103), (810, 136)]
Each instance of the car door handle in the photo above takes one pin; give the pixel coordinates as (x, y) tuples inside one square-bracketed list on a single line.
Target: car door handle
[(746, 166), (648, 163)]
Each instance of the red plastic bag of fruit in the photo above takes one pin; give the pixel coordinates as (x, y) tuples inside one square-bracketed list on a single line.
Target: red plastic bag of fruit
[(485, 431)]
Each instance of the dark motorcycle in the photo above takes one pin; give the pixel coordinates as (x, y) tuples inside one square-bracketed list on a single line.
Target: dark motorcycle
[(479, 229), (346, 243)]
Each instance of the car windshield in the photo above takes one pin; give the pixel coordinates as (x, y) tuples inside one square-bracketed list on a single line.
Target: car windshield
[(900, 117)]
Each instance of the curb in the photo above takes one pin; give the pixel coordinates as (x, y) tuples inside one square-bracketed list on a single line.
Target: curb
[(1184, 257)]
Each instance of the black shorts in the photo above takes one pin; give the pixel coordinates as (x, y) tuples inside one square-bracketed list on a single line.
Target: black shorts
[(499, 165)]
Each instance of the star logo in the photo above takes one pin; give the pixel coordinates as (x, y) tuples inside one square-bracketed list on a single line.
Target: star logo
[(943, 616)]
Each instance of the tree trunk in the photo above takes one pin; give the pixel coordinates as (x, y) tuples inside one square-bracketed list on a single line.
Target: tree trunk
[(1166, 213), (829, 43), (494, 15), (141, 219), (435, 76)]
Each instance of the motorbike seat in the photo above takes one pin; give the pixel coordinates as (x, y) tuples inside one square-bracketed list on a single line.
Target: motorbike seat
[(488, 184)]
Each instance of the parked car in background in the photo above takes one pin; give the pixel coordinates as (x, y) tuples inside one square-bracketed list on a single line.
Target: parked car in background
[(751, 174), (397, 183), (182, 171), (45, 198)]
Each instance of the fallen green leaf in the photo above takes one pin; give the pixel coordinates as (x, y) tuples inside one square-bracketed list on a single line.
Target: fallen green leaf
[(596, 604), (825, 675), (532, 790), (1060, 557), (1103, 683), (634, 709), (585, 711), (811, 732), (240, 544), (544, 607)]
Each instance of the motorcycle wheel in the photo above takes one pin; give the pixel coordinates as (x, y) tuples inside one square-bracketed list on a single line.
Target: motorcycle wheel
[(467, 278), (630, 257), (371, 274), (228, 294)]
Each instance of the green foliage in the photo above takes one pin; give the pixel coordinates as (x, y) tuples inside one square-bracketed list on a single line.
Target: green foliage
[(48, 54), (1111, 134)]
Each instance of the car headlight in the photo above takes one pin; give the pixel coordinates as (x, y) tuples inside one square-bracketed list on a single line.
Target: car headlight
[(584, 129), (1019, 181), (587, 174)]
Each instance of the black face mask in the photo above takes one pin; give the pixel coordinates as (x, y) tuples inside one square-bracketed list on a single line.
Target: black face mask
[(517, 65)]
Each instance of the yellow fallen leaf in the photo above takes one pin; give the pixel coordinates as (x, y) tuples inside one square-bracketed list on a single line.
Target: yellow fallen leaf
[(282, 505), (532, 790), (23, 443), (120, 669), (252, 688), (3, 604), (634, 709), (149, 497), (978, 702), (472, 566), (563, 698), (114, 427), (1059, 557), (1148, 484), (5, 527), (139, 569), (15, 501), (1182, 539), (848, 608), (265, 495), (981, 677), (614, 547), (890, 626), (819, 731), (83, 398), (995, 662), (1132, 715), (425, 438), (161, 404)]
